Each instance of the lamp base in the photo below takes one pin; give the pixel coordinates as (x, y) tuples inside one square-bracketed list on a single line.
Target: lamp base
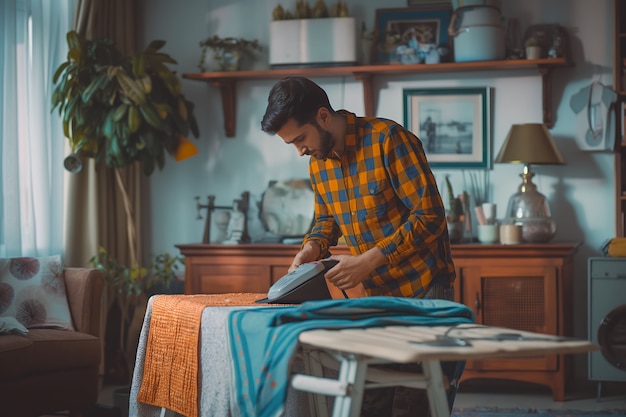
[(536, 229)]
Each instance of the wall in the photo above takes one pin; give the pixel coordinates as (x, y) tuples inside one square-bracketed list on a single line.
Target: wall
[(581, 193)]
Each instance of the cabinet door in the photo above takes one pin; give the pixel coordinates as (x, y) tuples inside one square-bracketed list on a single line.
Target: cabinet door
[(517, 297)]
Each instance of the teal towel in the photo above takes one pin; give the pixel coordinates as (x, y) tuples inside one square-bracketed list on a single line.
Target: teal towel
[(262, 340)]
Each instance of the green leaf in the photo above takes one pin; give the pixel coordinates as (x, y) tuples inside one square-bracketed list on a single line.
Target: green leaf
[(138, 65), (94, 87), (59, 70), (134, 119), (156, 45), (120, 112), (109, 127), (73, 40), (151, 116)]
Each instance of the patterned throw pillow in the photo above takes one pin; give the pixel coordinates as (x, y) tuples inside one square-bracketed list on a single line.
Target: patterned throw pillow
[(33, 291)]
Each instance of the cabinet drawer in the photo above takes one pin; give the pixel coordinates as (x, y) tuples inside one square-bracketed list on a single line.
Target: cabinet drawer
[(607, 268), (219, 279)]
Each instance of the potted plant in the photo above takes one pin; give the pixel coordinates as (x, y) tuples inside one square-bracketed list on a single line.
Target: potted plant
[(129, 287), (123, 110), (533, 48), (302, 37), (227, 52)]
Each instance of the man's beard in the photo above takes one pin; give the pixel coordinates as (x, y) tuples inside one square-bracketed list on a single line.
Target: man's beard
[(326, 142)]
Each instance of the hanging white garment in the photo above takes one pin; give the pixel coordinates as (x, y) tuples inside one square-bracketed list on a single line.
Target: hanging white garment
[(595, 117)]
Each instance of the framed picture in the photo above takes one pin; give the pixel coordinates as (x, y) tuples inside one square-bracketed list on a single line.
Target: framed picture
[(454, 125), (406, 35)]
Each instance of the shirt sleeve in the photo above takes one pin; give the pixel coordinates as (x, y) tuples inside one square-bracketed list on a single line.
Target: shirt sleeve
[(415, 186)]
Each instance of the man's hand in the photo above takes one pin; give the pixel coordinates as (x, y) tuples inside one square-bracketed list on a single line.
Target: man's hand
[(353, 270), (311, 251)]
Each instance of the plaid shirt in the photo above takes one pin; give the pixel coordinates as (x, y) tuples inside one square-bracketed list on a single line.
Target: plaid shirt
[(381, 192)]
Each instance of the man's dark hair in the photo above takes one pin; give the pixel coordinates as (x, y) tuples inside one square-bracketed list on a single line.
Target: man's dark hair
[(296, 97)]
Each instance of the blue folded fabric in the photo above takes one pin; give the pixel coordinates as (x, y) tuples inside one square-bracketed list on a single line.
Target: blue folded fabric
[(262, 340)]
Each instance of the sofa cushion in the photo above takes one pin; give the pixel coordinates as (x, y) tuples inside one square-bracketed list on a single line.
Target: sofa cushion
[(47, 350), (33, 291)]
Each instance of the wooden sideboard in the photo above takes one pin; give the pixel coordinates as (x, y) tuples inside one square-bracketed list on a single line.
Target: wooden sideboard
[(525, 287), (219, 269)]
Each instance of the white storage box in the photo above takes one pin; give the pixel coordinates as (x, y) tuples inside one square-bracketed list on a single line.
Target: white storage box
[(313, 42)]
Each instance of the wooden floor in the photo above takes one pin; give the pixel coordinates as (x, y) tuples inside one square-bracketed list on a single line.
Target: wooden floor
[(477, 393), (508, 394)]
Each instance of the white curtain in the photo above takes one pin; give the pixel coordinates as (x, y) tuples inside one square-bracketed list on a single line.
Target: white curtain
[(32, 148)]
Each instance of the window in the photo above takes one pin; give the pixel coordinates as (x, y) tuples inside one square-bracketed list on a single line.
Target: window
[(32, 46)]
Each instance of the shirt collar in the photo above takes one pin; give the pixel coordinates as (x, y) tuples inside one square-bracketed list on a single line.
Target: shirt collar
[(349, 143)]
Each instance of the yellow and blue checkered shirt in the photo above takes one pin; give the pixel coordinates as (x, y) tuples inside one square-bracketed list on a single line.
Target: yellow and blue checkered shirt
[(381, 192)]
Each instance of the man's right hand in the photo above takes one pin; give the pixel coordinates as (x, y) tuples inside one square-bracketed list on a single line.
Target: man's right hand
[(311, 251)]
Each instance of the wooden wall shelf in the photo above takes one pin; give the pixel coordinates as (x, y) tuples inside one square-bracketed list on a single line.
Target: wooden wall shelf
[(226, 81)]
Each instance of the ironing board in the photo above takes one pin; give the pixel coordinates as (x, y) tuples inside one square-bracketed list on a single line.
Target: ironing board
[(357, 349)]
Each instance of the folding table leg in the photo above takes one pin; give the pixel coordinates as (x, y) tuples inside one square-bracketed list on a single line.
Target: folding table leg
[(436, 389), (352, 370), (165, 412)]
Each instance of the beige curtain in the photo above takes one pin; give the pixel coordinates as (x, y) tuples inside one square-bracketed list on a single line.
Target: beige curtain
[(95, 208), (95, 212)]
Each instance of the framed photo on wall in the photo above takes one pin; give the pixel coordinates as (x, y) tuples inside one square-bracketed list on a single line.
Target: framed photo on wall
[(454, 125), (402, 32)]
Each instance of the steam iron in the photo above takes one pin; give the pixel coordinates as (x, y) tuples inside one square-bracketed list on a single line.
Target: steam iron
[(304, 283)]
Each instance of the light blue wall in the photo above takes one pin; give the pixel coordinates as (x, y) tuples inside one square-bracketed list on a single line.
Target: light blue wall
[(581, 193)]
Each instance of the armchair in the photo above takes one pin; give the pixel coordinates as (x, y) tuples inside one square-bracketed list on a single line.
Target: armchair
[(51, 370)]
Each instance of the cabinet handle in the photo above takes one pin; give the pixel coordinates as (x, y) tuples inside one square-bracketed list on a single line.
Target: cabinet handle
[(477, 302)]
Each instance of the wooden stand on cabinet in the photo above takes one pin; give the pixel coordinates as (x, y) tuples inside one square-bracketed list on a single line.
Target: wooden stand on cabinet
[(525, 287)]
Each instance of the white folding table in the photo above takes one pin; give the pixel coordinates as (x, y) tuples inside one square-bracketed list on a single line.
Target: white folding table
[(357, 349)]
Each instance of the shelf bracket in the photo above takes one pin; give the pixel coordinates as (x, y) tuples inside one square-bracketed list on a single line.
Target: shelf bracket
[(546, 99), (227, 89), (367, 80)]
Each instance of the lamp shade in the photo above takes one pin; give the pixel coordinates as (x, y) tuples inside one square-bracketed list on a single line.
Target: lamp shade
[(530, 143)]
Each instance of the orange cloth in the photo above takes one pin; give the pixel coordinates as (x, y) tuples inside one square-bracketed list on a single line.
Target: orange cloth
[(170, 377)]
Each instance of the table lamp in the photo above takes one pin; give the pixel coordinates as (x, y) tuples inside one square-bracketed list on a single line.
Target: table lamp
[(528, 144)]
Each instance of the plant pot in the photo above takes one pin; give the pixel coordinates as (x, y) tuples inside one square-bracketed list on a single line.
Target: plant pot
[(229, 60), (313, 42), (121, 400), (533, 52)]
